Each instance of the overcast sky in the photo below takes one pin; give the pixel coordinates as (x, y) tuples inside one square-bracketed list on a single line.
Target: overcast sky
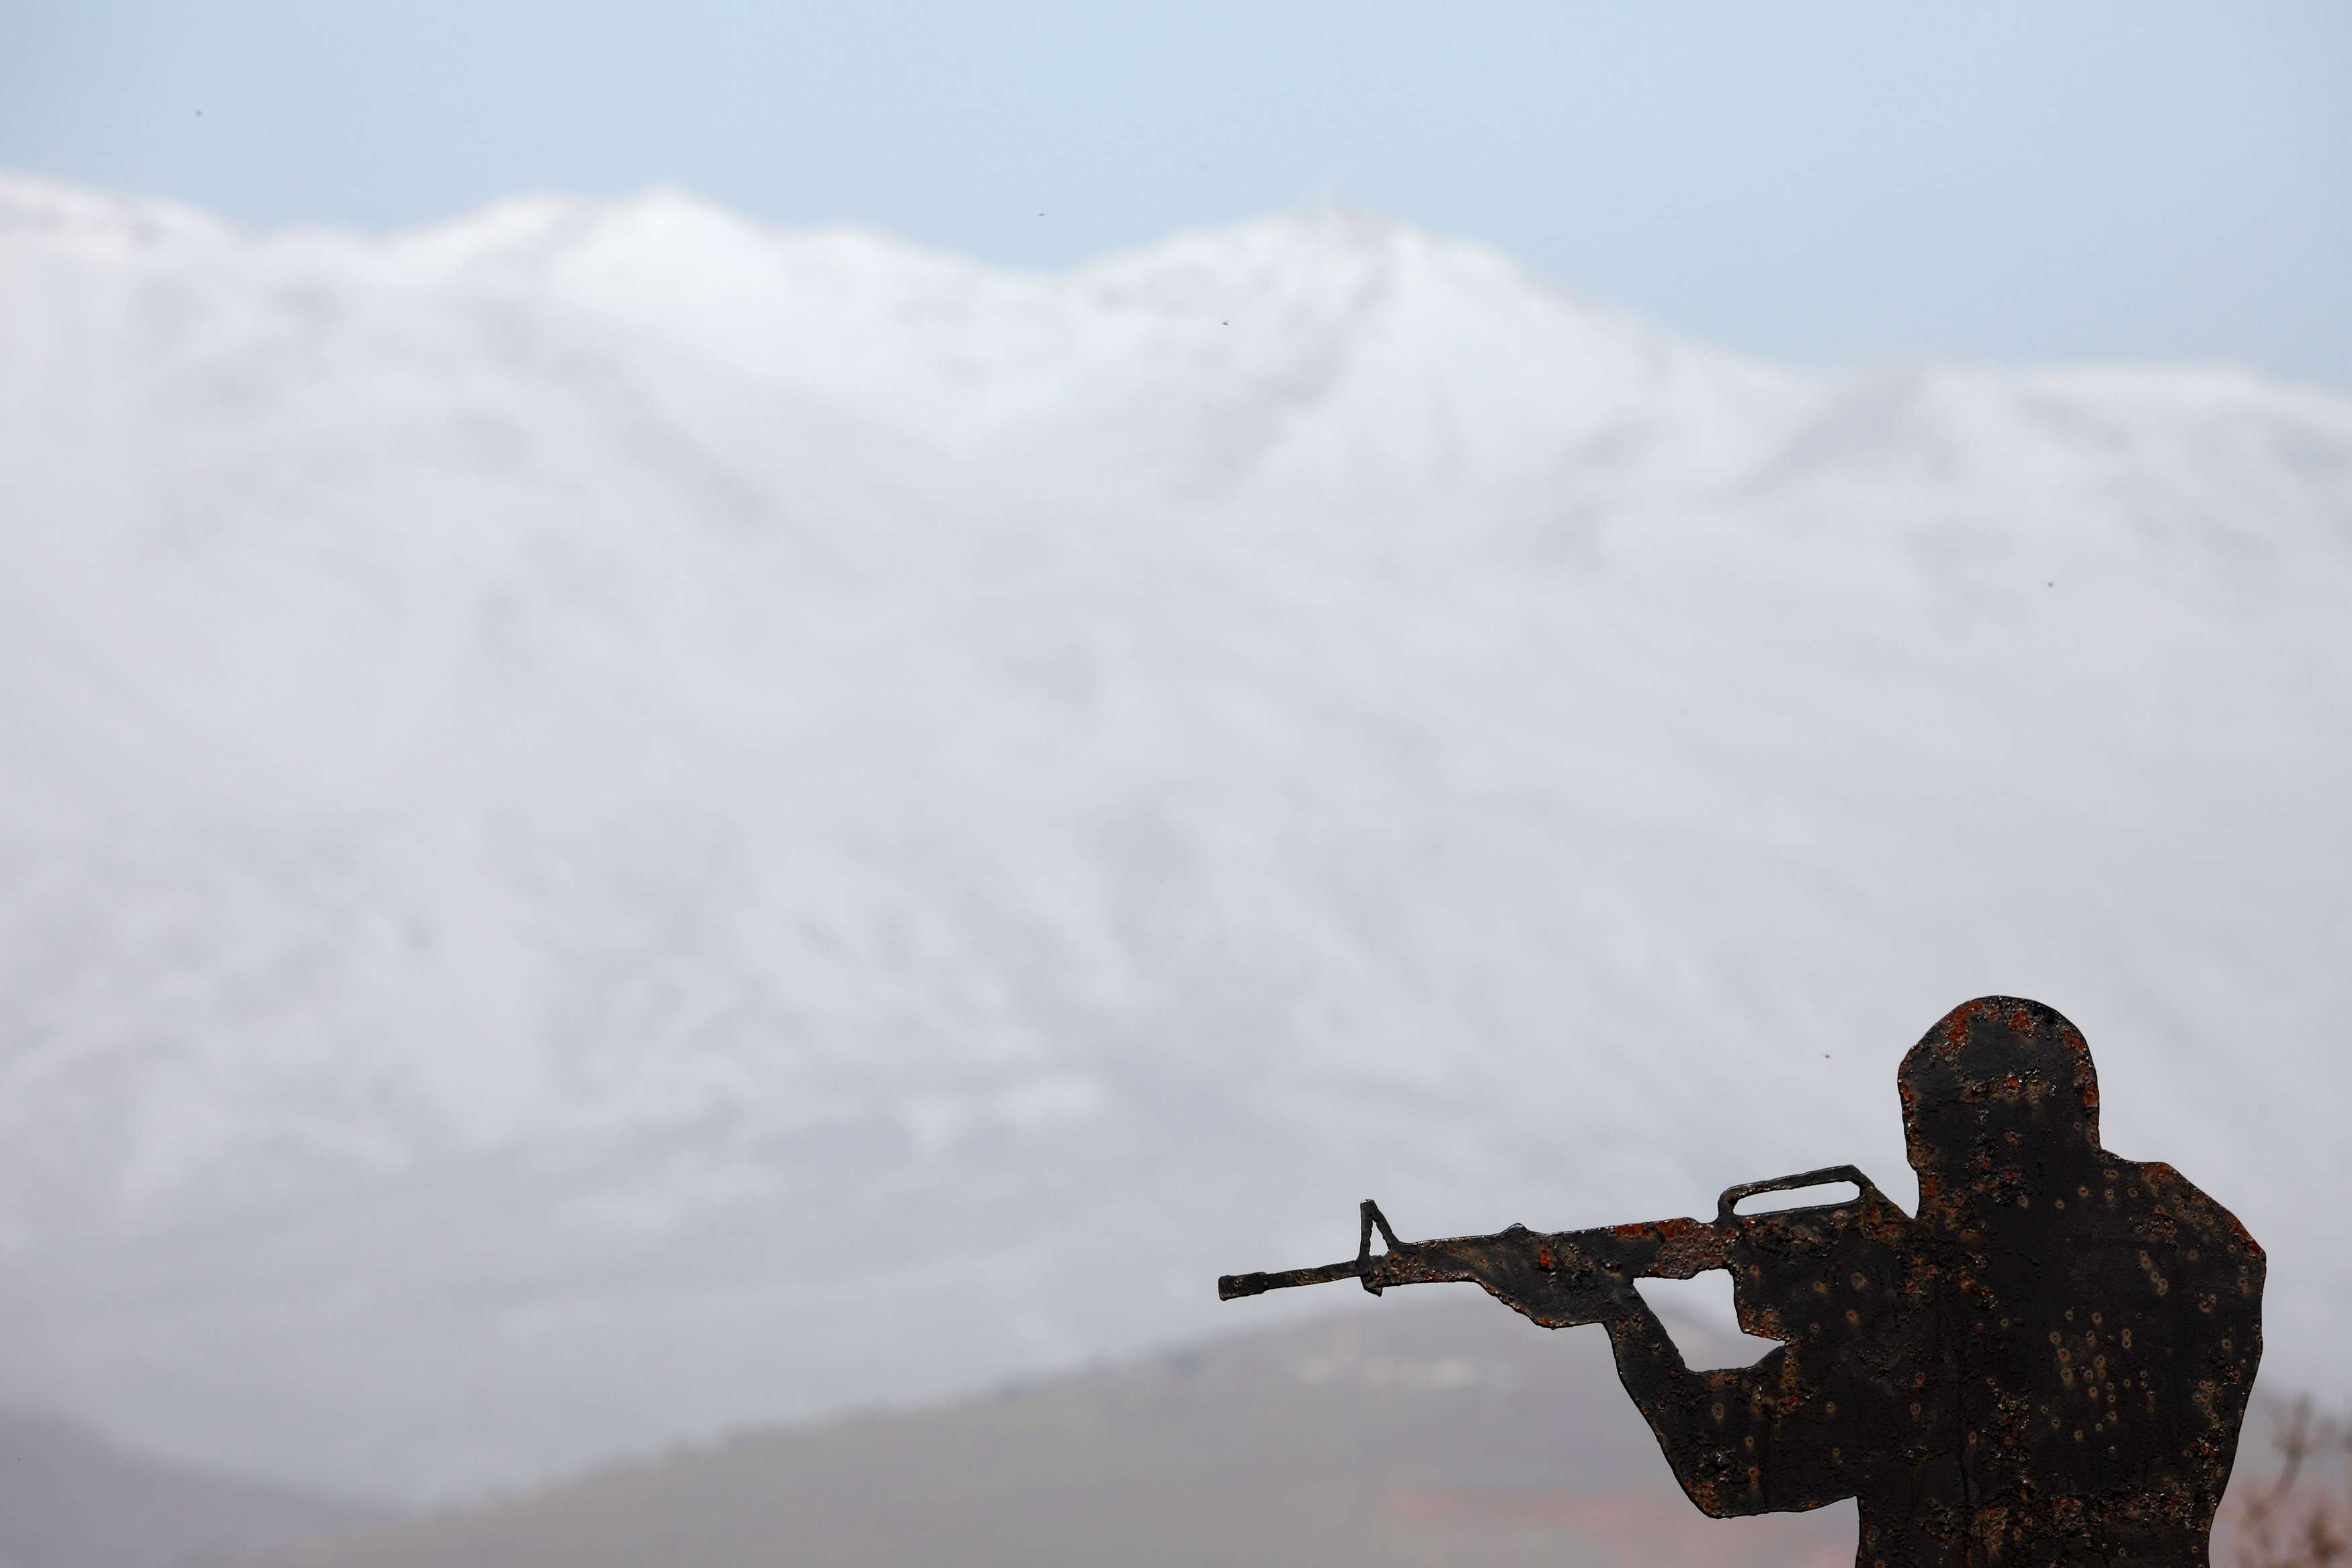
[(1825, 183)]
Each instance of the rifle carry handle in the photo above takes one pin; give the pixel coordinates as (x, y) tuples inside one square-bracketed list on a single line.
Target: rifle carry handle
[(1727, 1216)]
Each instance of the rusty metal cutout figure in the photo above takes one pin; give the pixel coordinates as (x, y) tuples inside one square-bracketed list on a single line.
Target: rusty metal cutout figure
[(2048, 1364)]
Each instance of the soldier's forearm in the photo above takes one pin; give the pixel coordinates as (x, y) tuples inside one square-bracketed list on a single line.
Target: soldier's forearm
[(1686, 1411), (1646, 1353)]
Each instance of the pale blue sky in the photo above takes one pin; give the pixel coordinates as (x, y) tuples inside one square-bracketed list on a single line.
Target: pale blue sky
[(1819, 182)]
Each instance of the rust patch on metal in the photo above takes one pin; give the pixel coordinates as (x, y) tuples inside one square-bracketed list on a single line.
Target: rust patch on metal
[(2048, 1364)]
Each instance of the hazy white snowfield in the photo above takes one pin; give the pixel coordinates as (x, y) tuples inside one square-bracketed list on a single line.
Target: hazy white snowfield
[(614, 823)]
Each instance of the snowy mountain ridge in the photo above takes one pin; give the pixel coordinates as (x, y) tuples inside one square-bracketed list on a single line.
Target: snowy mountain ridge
[(618, 821)]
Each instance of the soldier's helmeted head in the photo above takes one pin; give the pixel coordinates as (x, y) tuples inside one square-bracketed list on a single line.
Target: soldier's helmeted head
[(2001, 1089)]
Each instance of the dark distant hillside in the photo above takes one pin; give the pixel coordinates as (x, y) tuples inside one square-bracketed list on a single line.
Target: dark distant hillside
[(1449, 1432), (71, 1499)]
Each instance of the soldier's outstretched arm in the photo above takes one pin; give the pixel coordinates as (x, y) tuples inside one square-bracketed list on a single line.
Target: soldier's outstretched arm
[(1690, 1413), (1718, 1429)]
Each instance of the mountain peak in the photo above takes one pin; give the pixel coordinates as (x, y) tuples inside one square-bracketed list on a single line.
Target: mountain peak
[(1308, 248), (95, 224), (661, 231)]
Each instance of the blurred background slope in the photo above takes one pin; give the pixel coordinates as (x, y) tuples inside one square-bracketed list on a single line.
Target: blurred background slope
[(69, 1498), (1442, 1431)]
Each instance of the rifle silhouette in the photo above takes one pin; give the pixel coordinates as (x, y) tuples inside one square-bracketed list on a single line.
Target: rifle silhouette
[(1563, 1278)]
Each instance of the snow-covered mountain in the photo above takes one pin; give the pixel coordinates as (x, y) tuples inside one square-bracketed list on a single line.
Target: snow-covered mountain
[(614, 822)]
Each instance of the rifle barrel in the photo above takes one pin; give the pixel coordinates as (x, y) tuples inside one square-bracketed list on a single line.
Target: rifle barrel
[(1232, 1287)]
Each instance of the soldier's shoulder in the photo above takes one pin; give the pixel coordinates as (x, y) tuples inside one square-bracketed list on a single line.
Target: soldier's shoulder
[(2164, 1189)]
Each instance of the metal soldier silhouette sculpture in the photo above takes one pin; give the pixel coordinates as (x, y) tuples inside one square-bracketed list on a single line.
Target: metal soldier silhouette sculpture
[(2048, 1364)]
